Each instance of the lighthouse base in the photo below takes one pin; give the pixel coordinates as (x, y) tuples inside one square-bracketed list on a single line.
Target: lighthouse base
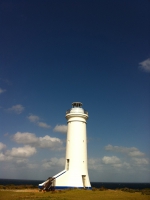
[(66, 180), (68, 187)]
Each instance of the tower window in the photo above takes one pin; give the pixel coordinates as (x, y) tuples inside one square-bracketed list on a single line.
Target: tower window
[(67, 164), (84, 180)]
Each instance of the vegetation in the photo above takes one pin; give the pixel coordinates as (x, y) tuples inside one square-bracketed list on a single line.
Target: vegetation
[(29, 192), (13, 187)]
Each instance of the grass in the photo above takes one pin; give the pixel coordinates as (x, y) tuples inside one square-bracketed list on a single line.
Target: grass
[(75, 194)]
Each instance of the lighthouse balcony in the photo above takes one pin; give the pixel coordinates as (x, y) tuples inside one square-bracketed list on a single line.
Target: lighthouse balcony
[(80, 110)]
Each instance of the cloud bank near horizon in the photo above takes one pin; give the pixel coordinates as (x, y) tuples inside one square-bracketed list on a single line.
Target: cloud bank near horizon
[(132, 151), (134, 162)]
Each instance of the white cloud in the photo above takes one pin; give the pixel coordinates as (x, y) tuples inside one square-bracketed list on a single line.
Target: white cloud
[(17, 154), (60, 128), (25, 151), (110, 160), (94, 163), (42, 142), (2, 146), (21, 161), (18, 109), (135, 153), (32, 165), (2, 90), (3, 157), (23, 164), (53, 163), (17, 158), (6, 134), (127, 165), (141, 161), (43, 125), (145, 65), (25, 138), (132, 151), (106, 162), (33, 118), (49, 142)]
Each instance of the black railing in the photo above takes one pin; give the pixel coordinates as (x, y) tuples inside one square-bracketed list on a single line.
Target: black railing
[(85, 111)]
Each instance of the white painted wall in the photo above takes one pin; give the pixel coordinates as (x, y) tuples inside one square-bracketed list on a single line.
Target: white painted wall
[(76, 151)]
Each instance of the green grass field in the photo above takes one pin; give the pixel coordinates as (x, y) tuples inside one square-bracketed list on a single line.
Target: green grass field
[(34, 194)]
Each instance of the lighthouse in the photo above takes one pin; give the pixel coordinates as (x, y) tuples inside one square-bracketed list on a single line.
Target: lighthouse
[(75, 174)]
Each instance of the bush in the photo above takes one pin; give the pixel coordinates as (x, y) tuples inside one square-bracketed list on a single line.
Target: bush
[(94, 189), (102, 189), (1, 186), (128, 190), (146, 191), (13, 187)]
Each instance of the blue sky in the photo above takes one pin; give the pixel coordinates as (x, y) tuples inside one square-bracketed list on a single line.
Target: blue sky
[(53, 53)]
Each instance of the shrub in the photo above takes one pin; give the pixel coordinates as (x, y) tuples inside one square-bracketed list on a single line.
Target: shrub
[(94, 189), (102, 188), (1, 186), (146, 191), (128, 190)]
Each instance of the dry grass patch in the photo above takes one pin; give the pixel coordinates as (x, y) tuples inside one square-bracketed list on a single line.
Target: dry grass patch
[(76, 194)]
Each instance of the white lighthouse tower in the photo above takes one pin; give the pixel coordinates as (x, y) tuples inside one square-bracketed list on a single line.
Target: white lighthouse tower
[(75, 174)]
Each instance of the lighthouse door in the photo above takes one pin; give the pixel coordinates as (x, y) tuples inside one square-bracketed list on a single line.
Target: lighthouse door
[(84, 180), (67, 164)]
